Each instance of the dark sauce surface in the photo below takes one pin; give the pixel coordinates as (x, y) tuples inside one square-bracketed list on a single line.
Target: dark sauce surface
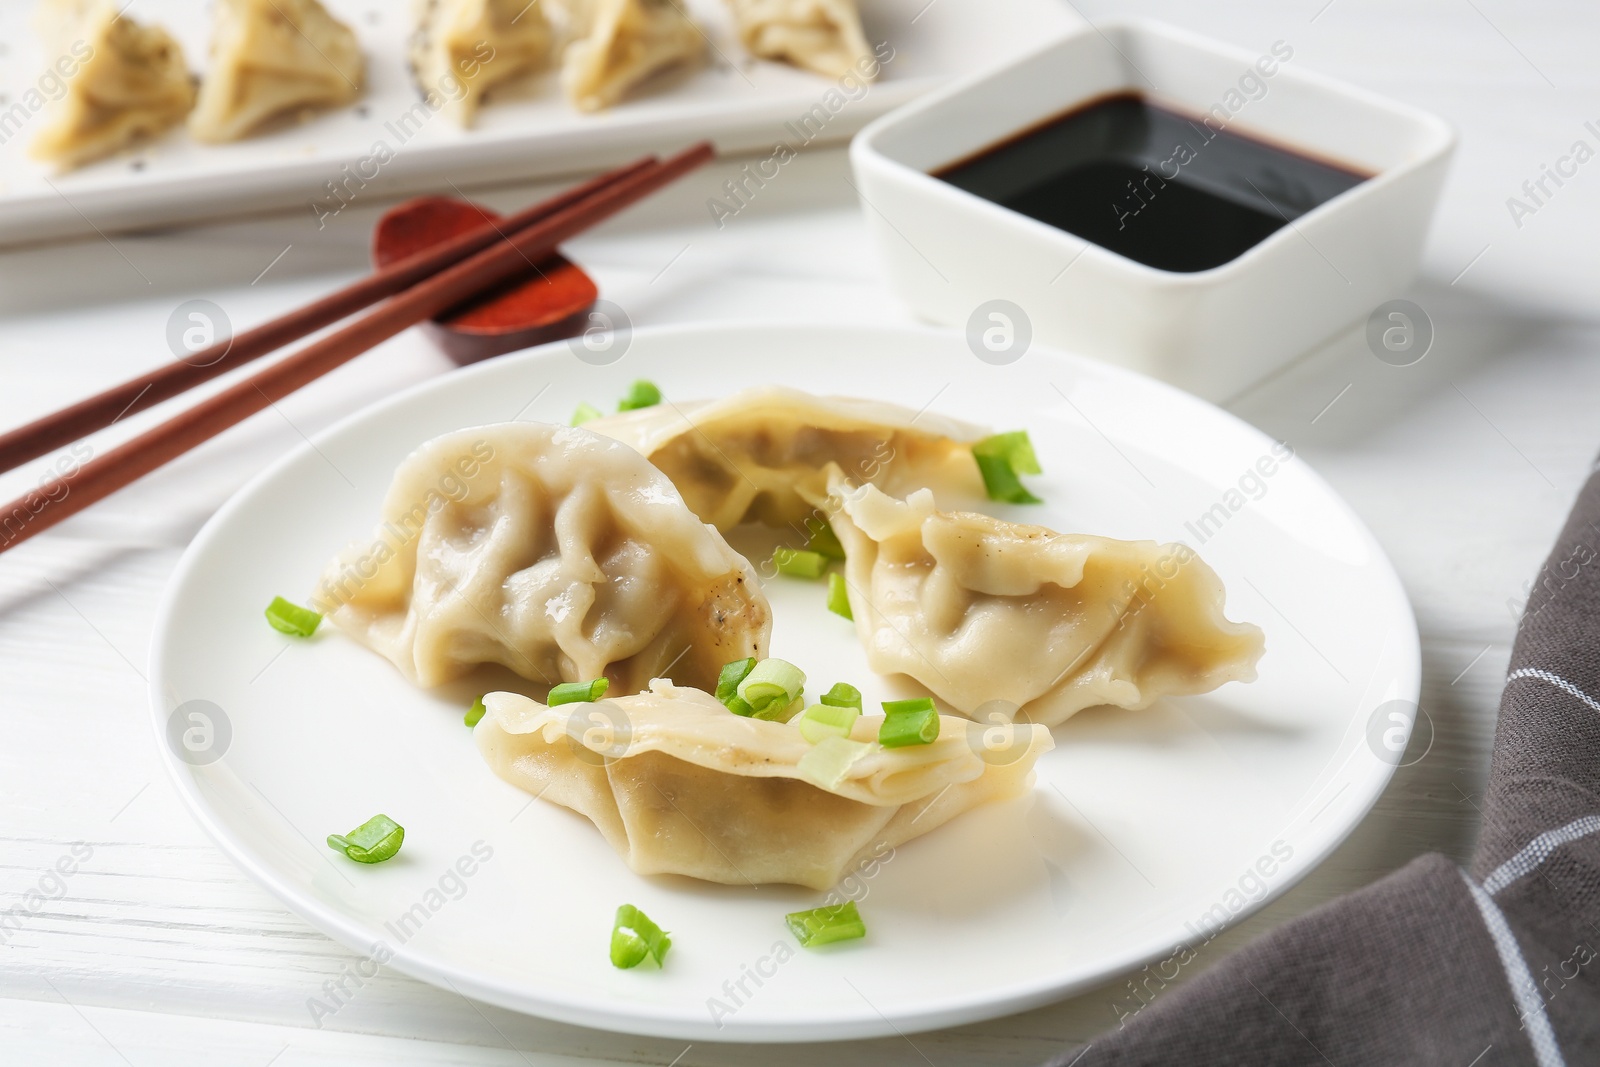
[(1169, 191)]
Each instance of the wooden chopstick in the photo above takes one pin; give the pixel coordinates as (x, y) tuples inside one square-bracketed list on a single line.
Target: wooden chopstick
[(36, 512), (57, 430)]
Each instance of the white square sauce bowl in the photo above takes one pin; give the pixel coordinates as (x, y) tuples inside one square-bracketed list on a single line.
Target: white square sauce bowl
[(965, 259)]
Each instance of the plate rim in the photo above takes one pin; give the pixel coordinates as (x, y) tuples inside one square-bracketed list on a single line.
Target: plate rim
[(652, 1020)]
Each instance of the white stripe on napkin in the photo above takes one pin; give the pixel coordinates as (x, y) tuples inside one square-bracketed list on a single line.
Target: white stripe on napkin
[(1530, 1005), (1538, 850), (1555, 680)]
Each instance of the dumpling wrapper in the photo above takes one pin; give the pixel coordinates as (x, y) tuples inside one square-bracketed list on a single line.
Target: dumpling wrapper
[(762, 454), (271, 59), (552, 551), (464, 48), (678, 784), (622, 43), (1021, 621), (131, 84), (820, 35)]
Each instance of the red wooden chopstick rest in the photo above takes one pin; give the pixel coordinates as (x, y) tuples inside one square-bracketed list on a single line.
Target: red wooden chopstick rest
[(550, 301)]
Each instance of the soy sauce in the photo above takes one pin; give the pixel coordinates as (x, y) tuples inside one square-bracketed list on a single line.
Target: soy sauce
[(1172, 192)]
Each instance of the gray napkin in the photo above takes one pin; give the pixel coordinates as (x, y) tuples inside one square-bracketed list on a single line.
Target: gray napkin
[(1499, 964)]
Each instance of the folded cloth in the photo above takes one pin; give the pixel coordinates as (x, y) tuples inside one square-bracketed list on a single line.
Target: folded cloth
[(1499, 964)]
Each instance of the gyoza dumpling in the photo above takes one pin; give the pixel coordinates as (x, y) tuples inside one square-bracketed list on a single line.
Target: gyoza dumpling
[(678, 784), (130, 82), (550, 550), (978, 610), (820, 35), (620, 43), (463, 48), (271, 59), (761, 454)]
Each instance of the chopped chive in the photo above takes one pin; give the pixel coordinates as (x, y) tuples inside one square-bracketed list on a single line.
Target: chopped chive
[(586, 411), (290, 618), (373, 841), (827, 924), (642, 394), (908, 722), (475, 713), (577, 692), (823, 540), (1000, 459), (799, 562), (830, 760), (827, 720), (770, 681), (634, 936), (842, 695), (838, 596)]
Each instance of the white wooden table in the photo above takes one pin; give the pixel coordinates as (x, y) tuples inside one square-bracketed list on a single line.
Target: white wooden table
[(158, 951)]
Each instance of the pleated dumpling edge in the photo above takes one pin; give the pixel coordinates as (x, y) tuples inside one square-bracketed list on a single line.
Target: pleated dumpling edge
[(1018, 621), (555, 552), (677, 784)]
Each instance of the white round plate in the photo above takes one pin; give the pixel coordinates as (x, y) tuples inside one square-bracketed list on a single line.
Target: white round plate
[(1145, 832)]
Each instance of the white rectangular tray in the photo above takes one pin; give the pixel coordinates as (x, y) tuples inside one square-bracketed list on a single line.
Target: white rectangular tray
[(740, 103)]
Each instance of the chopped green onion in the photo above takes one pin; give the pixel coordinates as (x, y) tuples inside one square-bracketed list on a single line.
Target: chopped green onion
[(732, 674), (1002, 483), (586, 411), (779, 711), (291, 618), (1000, 459), (475, 713), (842, 695), (772, 680), (827, 720), (908, 722), (823, 540), (728, 685), (641, 394), (827, 924), (799, 563), (1014, 448), (827, 763), (577, 692), (634, 936), (373, 841), (838, 596)]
